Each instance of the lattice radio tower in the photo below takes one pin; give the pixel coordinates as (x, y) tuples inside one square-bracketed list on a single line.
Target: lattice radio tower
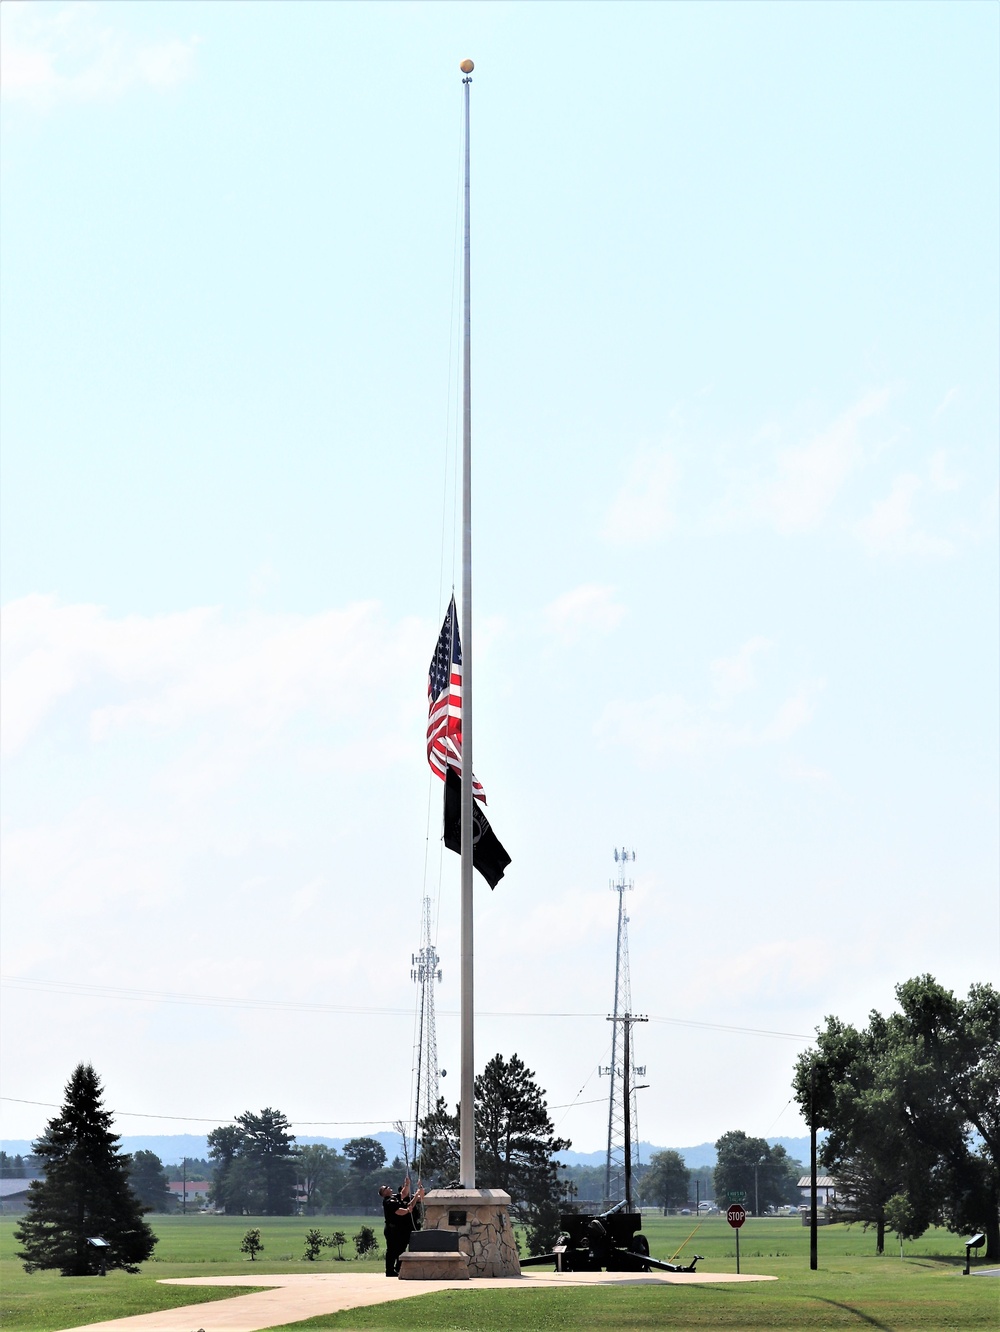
[(623, 1134), (426, 973)]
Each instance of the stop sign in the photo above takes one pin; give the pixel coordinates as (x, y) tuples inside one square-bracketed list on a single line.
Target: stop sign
[(736, 1215)]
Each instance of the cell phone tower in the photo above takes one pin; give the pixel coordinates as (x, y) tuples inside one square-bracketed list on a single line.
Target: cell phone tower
[(623, 1132), (426, 973)]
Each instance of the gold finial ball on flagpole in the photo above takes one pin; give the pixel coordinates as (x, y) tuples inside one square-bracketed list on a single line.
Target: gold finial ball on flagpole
[(467, 67)]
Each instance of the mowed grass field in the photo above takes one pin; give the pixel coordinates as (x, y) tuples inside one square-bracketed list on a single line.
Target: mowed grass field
[(852, 1288)]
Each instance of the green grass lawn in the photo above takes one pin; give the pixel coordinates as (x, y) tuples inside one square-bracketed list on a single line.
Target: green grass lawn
[(192, 1245), (852, 1288)]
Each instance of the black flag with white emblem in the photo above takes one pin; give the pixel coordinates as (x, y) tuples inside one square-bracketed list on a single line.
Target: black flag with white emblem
[(488, 856)]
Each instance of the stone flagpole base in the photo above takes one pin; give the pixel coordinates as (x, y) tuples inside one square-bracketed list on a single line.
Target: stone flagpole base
[(481, 1219)]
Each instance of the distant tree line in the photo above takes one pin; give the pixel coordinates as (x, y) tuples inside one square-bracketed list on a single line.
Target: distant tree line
[(19, 1167), (767, 1175), (258, 1169)]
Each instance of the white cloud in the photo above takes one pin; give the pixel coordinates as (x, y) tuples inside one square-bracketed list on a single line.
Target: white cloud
[(891, 528), (795, 491), (807, 773), (951, 396), (643, 509), (792, 715), (589, 609), (784, 969), (735, 675), (249, 677), (668, 723), (809, 478), (74, 55), (939, 474)]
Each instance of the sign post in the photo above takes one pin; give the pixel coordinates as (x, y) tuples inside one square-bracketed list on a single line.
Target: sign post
[(736, 1215)]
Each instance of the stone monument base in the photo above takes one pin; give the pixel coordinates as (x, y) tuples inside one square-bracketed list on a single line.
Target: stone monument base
[(481, 1220), (433, 1267)]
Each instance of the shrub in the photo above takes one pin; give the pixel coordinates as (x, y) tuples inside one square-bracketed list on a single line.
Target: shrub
[(366, 1241), (252, 1243), (314, 1242)]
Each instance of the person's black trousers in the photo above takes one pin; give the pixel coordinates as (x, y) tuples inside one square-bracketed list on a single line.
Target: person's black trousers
[(396, 1240)]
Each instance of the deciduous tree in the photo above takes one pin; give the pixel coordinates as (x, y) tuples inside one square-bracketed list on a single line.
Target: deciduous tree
[(911, 1104), (767, 1175), (85, 1193), (365, 1155), (665, 1182), (367, 1162), (224, 1144), (320, 1171), (149, 1182)]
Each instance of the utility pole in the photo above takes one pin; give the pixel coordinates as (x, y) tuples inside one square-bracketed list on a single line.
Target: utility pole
[(628, 1088), (622, 1121)]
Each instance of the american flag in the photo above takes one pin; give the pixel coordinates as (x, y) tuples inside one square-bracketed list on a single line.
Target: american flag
[(444, 703)]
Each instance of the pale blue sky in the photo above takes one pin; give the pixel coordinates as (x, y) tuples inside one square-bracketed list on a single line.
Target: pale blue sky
[(735, 290)]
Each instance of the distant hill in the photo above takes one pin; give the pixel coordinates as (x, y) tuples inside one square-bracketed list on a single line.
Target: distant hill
[(702, 1155), (171, 1148)]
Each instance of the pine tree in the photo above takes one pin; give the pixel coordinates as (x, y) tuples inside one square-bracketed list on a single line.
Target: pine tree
[(515, 1147), (85, 1193)]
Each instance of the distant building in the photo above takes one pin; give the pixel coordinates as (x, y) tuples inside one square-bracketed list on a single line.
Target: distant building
[(14, 1195), (191, 1193), (826, 1190)]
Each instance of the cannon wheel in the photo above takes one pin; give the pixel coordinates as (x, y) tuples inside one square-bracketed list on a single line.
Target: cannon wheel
[(640, 1247)]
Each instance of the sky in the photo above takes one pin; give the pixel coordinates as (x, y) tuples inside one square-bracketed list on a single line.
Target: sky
[(735, 420)]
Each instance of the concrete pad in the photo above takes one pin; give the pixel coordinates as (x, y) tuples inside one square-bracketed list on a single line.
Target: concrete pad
[(300, 1295)]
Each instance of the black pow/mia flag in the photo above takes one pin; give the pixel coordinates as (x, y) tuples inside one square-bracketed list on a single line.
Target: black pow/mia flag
[(488, 856)]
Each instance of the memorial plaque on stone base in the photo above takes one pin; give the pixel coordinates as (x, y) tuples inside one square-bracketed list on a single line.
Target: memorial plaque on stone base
[(485, 1234)]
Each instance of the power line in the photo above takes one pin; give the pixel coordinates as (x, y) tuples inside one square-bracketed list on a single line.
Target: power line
[(279, 1005), (213, 1119)]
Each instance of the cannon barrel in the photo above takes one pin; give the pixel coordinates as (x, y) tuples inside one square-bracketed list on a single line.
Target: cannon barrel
[(636, 1261)]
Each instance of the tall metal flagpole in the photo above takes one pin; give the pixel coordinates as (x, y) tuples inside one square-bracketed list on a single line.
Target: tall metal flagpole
[(467, 1130)]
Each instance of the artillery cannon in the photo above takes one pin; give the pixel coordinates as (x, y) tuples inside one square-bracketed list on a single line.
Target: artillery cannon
[(612, 1241)]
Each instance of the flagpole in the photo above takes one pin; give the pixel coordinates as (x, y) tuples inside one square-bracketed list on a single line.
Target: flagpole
[(467, 1131)]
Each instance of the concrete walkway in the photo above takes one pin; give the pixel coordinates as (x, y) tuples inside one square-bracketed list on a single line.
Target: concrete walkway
[(302, 1295)]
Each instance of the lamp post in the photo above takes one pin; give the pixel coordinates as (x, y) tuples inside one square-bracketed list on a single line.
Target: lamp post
[(813, 1256)]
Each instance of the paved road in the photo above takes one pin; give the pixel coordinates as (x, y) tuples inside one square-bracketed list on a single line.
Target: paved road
[(302, 1295)]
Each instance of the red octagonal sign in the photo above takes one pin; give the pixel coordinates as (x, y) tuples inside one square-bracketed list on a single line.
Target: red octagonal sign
[(736, 1215)]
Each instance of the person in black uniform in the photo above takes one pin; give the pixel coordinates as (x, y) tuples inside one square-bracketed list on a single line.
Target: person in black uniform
[(398, 1209)]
